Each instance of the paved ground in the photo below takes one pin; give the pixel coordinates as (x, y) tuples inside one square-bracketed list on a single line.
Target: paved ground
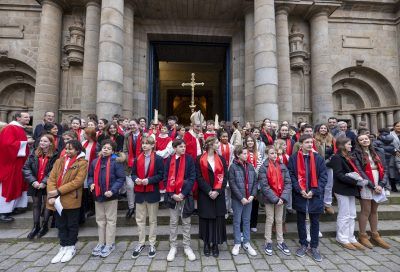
[(36, 256)]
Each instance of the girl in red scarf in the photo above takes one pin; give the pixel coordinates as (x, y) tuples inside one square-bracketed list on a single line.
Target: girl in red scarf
[(36, 171), (276, 187), (212, 178), (283, 134), (370, 164), (106, 176), (76, 127), (254, 158)]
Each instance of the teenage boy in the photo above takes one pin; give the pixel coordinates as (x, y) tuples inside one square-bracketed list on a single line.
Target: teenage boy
[(309, 176)]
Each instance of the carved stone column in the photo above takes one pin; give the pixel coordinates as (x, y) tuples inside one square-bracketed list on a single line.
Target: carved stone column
[(389, 119), (249, 66), (265, 62), (47, 88), (127, 104), (284, 73), (374, 122), (3, 116), (110, 69), (90, 61), (358, 120), (381, 120), (321, 83)]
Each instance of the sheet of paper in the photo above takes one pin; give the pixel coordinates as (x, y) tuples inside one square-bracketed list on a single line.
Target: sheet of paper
[(58, 205), (22, 149)]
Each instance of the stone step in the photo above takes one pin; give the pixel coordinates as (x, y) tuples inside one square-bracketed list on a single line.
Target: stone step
[(385, 212), (386, 228)]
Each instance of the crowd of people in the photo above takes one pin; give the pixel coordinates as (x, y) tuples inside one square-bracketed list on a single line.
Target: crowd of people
[(210, 170)]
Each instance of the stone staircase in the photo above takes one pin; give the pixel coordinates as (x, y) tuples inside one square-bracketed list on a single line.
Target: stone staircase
[(389, 224)]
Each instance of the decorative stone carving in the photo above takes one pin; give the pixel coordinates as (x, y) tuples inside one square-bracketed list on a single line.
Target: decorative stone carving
[(3, 53), (297, 50), (74, 46)]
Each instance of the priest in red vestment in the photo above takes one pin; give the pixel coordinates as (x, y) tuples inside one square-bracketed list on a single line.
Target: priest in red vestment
[(14, 152)]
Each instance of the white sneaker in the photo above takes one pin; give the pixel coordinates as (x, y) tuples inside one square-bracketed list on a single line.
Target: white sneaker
[(247, 247), (241, 237), (171, 254), (189, 253), (60, 254), (253, 229), (235, 250), (387, 192), (320, 234), (69, 254)]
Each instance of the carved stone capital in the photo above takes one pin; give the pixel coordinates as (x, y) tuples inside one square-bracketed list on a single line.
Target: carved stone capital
[(61, 4)]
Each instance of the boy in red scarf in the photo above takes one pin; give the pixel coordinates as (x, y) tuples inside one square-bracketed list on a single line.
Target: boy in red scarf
[(106, 176), (147, 172), (309, 176), (276, 188), (179, 176)]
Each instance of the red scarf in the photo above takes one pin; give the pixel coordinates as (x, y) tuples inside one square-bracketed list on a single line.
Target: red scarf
[(226, 152), (252, 159), (56, 142), (275, 179), (62, 154), (353, 165), (289, 147), (209, 134), (297, 136), (78, 134), (42, 167), (175, 181), (92, 154), (97, 174), (218, 170), (314, 145), (301, 170), (368, 169), (133, 153), (61, 175), (141, 172), (120, 131), (269, 137), (173, 133)]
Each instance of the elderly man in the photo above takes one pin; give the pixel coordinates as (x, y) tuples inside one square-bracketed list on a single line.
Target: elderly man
[(49, 117), (14, 151)]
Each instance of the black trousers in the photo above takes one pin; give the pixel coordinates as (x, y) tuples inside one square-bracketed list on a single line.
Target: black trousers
[(254, 213), (68, 226)]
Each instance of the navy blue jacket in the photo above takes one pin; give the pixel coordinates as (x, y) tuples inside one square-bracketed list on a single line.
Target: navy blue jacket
[(117, 177), (150, 197), (316, 203), (190, 174)]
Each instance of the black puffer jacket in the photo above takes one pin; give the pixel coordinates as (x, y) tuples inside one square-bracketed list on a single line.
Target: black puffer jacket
[(31, 168)]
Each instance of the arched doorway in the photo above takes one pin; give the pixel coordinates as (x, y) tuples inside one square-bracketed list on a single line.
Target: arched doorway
[(17, 87), (362, 93)]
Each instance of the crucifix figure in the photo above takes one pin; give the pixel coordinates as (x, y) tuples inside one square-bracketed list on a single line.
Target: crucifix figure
[(192, 84)]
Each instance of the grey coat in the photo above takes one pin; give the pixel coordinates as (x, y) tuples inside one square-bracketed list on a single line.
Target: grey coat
[(268, 194), (237, 180)]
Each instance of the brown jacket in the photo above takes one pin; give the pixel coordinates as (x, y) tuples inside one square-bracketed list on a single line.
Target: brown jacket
[(72, 184)]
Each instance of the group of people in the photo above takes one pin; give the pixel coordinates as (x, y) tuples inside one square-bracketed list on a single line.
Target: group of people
[(208, 169)]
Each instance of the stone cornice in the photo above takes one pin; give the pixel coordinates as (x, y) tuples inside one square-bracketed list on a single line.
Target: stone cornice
[(370, 110), (62, 4), (308, 8)]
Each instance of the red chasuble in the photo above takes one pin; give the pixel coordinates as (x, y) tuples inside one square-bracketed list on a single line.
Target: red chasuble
[(11, 143), (191, 145), (161, 143)]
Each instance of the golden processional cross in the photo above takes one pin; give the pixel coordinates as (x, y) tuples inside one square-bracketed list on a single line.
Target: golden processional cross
[(192, 84)]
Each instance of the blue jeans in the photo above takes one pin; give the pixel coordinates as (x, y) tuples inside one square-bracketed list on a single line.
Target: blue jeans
[(328, 188), (241, 213), (314, 228)]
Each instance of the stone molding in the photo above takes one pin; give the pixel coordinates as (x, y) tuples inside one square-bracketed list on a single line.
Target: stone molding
[(61, 4), (12, 31)]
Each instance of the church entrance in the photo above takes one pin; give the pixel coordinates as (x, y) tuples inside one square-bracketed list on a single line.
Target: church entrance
[(172, 63)]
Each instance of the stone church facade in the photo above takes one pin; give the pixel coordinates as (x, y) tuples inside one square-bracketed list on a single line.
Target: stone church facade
[(288, 60)]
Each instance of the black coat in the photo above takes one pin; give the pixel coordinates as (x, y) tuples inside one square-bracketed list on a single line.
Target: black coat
[(39, 130), (119, 141), (342, 184), (30, 171), (316, 203), (207, 207), (150, 197), (190, 174)]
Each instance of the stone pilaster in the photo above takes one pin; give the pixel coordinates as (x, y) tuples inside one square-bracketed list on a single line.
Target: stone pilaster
[(321, 83), (48, 61), (389, 119), (91, 57), (3, 116), (358, 120), (381, 120), (374, 122), (265, 66), (249, 66), (284, 84), (238, 68), (110, 67), (127, 104)]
